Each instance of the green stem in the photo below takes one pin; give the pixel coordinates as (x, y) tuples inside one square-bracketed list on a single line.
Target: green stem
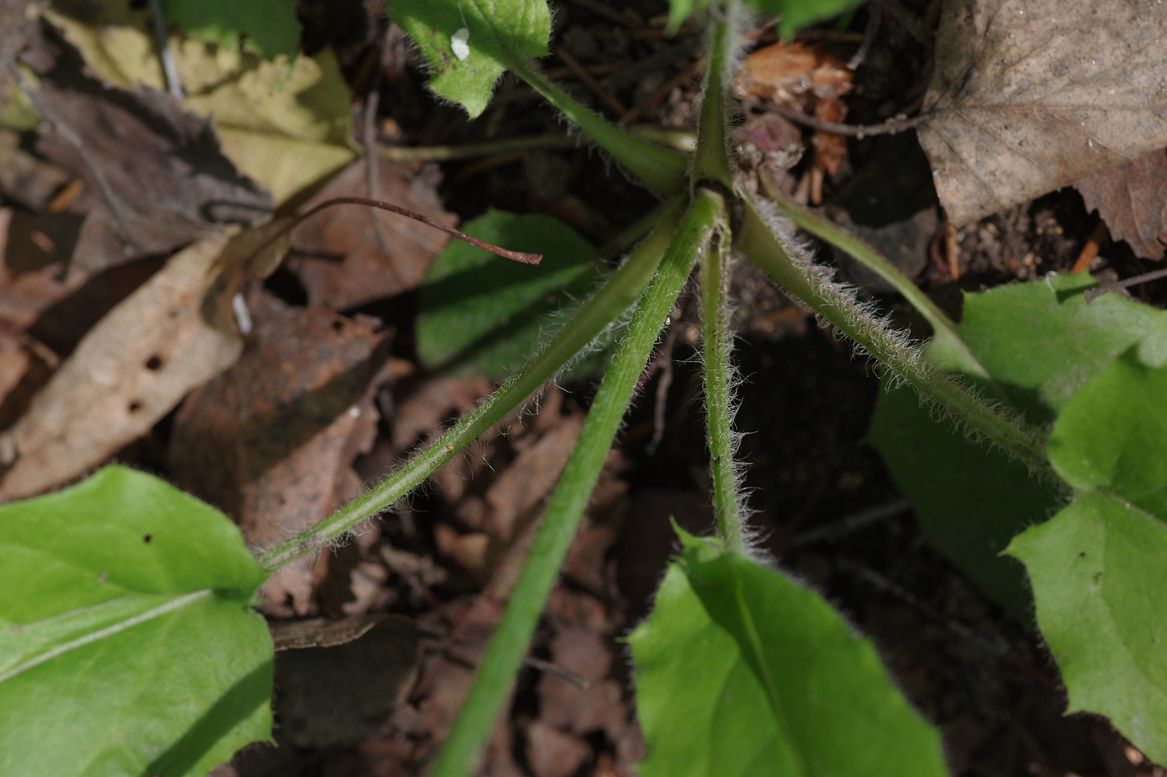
[(510, 641), (942, 326), (681, 140), (1007, 430), (711, 161), (661, 169), (716, 345), (609, 302)]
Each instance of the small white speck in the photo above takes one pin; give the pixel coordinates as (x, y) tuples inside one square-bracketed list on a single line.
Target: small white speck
[(354, 412), (460, 44), (242, 314)]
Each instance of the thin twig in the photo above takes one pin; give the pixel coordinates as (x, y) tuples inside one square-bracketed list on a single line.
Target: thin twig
[(1093, 294), (889, 127), (165, 55), (664, 90), (591, 83), (369, 140), (874, 8), (515, 256)]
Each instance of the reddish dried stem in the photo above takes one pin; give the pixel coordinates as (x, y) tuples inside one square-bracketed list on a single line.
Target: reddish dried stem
[(515, 256)]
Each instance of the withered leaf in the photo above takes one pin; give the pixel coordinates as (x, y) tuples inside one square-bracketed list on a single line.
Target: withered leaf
[(338, 256), (161, 175), (339, 695), (129, 371), (1132, 200), (1031, 95), (271, 441)]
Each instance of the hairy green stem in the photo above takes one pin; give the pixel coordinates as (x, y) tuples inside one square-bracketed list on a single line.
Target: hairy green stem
[(711, 160), (716, 341), (609, 302), (561, 519), (661, 169), (942, 326), (758, 241), (681, 140)]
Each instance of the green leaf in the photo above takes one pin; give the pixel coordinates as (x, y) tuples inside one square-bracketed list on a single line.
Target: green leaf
[(1098, 567), (795, 14), (266, 27), (484, 315), (127, 642), (741, 671), (1040, 342), (469, 44)]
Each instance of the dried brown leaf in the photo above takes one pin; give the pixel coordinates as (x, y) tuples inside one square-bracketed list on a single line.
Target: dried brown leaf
[(338, 255), (1031, 95), (271, 441), (1132, 200), (162, 178), (129, 371)]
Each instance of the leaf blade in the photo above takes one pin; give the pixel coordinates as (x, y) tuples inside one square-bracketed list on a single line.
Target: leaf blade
[(139, 643), (724, 684)]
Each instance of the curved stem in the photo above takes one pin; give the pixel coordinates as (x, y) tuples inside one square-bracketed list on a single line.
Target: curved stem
[(716, 341), (621, 289), (942, 326), (661, 169), (801, 278), (503, 655)]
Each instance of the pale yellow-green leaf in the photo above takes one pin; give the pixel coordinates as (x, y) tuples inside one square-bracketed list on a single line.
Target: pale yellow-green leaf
[(284, 122)]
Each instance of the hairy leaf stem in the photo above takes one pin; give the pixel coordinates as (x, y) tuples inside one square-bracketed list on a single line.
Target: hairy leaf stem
[(711, 159), (608, 303), (503, 655), (942, 326), (716, 341), (661, 169), (799, 277)]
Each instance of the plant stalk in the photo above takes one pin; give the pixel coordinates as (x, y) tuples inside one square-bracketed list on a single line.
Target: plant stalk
[(504, 654), (716, 344), (711, 160), (943, 327), (661, 169), (1006, 430), (609, 302)]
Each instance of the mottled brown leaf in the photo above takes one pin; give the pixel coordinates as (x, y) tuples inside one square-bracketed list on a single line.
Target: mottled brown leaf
[(129, 371), (1132, 200), (338, 257), (1031, 95), (162, 178), (271, 441)]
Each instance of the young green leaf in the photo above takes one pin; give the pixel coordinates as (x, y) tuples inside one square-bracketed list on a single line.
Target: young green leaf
[(1097, 567), (266, 27), (469, 44), (127, 642), (486, 316), (1040, 342), (740, 670)]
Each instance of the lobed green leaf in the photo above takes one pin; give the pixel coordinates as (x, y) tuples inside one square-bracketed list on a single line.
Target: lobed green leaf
[(468, 44), (1099, 567), (1039, 342)]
